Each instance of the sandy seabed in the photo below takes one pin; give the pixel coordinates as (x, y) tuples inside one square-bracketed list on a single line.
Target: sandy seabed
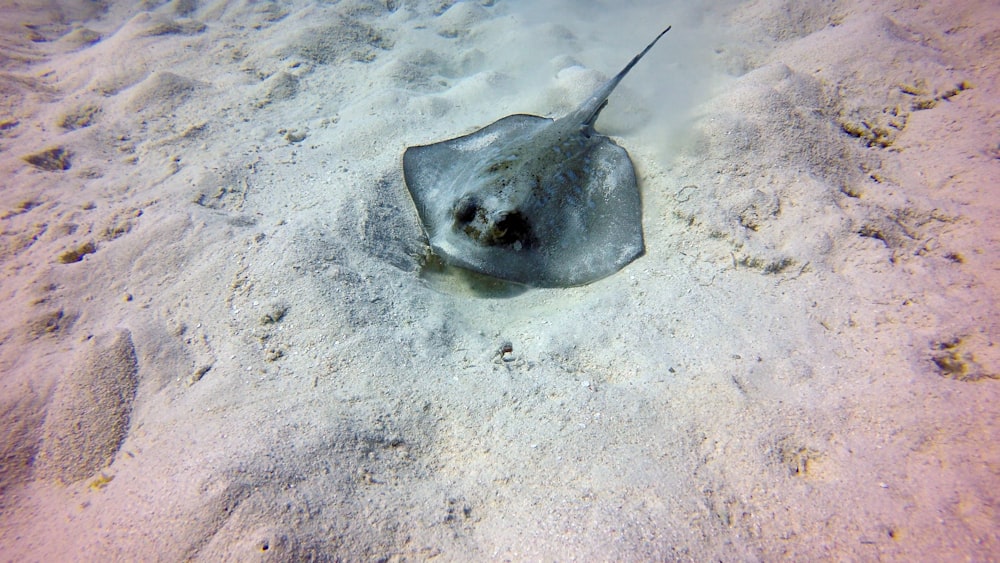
[(220, 340)]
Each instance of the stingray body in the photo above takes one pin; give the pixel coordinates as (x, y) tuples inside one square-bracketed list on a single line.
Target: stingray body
[(527, 199)]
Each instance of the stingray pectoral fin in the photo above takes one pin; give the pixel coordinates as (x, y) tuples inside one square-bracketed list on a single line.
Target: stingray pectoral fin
[(601, 231)]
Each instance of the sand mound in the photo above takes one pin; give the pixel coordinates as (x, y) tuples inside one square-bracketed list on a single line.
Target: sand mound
[(89, 413)]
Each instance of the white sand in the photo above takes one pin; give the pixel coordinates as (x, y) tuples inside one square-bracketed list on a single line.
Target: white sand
[(217, 342)]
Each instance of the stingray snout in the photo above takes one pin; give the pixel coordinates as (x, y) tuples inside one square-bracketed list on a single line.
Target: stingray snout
[(492, 225)]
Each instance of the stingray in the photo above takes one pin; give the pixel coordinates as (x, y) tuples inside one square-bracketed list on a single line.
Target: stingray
[(532, 200)]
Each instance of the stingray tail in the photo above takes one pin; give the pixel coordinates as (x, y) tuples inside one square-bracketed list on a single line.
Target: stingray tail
[(590, 109)]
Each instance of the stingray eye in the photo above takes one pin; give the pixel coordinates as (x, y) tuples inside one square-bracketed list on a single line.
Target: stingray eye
[(513, 230), (465, 210)]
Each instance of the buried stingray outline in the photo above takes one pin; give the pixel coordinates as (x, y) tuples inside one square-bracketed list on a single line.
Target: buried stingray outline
[(532, 200)]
